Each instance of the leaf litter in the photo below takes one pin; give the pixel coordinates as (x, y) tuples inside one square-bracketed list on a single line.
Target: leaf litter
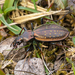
[(54, 55)]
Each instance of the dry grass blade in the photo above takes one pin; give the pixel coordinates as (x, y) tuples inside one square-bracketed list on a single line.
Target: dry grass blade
[(31, 5), (28, 17), (8, 62), (62, 12), (2, 1)]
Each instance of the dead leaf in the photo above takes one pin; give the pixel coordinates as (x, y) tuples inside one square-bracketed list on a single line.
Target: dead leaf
[(5, 45), (3, 33)]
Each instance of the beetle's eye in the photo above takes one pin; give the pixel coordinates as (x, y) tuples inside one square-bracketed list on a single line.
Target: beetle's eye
[(31, 35), (18, 43), (14, 44)]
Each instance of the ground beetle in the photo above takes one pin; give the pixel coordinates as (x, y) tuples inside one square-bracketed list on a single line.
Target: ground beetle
[(45, 32)]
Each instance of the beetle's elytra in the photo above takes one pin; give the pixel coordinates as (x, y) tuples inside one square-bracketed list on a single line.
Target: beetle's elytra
[(50, 33), (45, 32)]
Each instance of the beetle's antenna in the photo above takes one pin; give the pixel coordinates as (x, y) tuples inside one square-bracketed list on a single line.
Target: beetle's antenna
[(8, 54)]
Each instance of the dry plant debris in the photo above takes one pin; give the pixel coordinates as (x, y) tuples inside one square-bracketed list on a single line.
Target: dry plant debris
[(5, 45), (54, 54)]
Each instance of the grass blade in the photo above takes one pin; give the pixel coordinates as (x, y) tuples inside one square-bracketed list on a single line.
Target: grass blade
[(7, 4), (15, 27), (15, 3), (73, 39), (9, 9), (4, 22), (1, 72), (28, 9), (73, 68), (71, 64), (1, 10), (46, 70), (34, 4)]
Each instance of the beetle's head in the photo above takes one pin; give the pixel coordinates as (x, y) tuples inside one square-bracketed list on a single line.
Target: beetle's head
[(27, 35), (17, 41)]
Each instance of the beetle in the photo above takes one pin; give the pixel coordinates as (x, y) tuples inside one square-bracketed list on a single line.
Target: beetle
[(45, 32)]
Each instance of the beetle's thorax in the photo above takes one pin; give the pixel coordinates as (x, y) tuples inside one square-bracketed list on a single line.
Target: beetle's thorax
[(27, 35)]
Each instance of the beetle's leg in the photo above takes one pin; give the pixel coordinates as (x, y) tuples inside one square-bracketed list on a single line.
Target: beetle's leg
[(24, 42), (62, 17), (40, 50), (22, 30), (32, 29), (42, 21), (32, 26), (60, 45), (28, 49)]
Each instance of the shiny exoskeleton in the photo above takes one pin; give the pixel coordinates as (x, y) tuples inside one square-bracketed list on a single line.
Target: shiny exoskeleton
[(45, 32)]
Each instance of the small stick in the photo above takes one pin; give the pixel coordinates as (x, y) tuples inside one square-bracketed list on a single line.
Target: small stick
[(6, 26), (8, 54)]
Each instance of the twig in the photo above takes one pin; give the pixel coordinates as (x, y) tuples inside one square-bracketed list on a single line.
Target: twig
[(6, 26), (48, 3), (44, 61), (70, 73), (10, 61)]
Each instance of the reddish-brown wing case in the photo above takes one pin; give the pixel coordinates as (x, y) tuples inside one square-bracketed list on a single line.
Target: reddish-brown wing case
[(51, 32)]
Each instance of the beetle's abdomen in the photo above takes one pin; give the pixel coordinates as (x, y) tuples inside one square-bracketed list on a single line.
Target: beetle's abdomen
[(50, 33)]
